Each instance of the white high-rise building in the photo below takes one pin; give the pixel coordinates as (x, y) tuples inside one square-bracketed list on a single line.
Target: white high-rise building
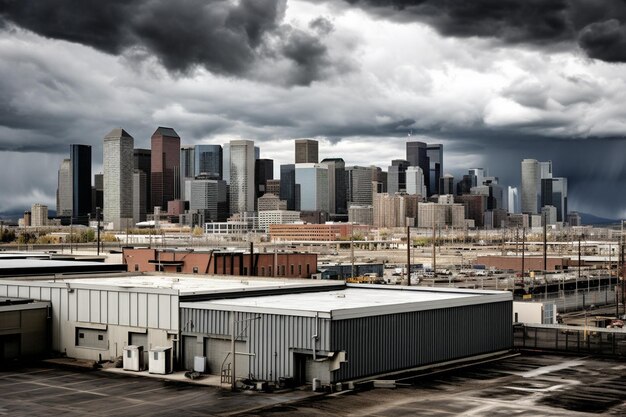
[(241, 176), (64, 189), (513, 205), (118, 178), (415, 181), (39, 215), (313, 182)]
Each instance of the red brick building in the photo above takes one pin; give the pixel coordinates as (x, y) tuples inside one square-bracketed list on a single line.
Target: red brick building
[(531, 263), (281, 264)]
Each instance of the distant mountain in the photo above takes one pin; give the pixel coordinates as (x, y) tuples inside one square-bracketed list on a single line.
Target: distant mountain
[(590, 219)]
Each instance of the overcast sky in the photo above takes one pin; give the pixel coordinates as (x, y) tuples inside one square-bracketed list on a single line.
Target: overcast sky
[(495, 81)]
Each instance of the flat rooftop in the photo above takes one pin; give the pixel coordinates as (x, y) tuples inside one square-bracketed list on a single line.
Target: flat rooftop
[(202, 286), (20, 267), (355, 301)]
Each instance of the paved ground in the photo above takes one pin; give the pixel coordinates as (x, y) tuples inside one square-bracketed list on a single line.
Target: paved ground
[(529, 385), (522, 386), (54, 392)]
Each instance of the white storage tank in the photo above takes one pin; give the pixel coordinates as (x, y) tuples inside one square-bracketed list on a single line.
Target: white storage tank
[(133, 358), (160, 360)]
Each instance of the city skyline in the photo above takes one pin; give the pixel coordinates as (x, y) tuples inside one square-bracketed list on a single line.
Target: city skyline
[(547, 89)]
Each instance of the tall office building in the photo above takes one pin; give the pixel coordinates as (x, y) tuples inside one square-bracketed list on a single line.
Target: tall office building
[(118, 178), (226, 163), (80, 157), (39, 215), (313, 182), (139, 196), (513, 203), (435, 166), (165, 174), (242, 163), (415, 182), (359, 189), (64, 189), (554, 193), (209, 160), (306, 151), (209, 198), (477, 176), (142, 161), (446, 185), (288, 188), (532, 174), (417, 155), (336, 185), (263, 171), (187, 168), (396, 176)]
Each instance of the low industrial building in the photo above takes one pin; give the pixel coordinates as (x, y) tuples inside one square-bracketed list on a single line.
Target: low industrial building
[(343, 271), (24, 328), (280, 328), (531, 263), (237, 263)]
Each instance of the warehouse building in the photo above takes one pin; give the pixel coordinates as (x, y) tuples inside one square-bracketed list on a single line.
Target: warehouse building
[(281, 328), (346, 334)]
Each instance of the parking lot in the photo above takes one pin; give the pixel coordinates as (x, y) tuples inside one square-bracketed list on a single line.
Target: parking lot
[(53, 392)]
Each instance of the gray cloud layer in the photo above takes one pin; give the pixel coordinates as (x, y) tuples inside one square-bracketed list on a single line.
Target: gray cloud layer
[(222, 36), (597, 26)]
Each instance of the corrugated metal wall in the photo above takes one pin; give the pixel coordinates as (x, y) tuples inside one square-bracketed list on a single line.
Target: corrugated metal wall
[(387, 343), (99, 306), (271, 337)]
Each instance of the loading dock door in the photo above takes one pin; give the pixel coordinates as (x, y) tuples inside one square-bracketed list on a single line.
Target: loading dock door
[(140, 339), (216, 350), (189, 351), (10, 346)]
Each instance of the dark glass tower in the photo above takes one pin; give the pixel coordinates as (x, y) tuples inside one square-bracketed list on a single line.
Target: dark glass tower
[(263, 171), (417, 155), (80, 156), (396, 176), (435, 166), (209, 160), (288, 185)]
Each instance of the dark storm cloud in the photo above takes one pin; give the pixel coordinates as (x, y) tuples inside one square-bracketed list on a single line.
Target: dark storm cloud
[(598, 26), (228, 38)]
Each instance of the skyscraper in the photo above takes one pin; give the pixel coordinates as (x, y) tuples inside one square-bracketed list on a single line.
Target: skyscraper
[(208, 160), (417, 155), (165, 158), (139, 196), (142, 161), (513, 200), (554, 193), (80, 157), (288, 190), (336, 185), (359, 189), (64, 189), (415, 183), (118, 178), (532, 174), (306, 151), (187, 168), (209, 197), (242, 163), (313, 182), (226, 163), (396, 176), (435, 166), (263, 171), (446, 185)]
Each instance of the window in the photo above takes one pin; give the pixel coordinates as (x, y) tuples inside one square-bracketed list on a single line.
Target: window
[(262, 271), (282, 269), (156, 356), (269, 269), (136, 267), (128, 354), (291, 270), (308, 270), (81, 335), (195, 269), (179, 268), (299, 269), (100, 337)]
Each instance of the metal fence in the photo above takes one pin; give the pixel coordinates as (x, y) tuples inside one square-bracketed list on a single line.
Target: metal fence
[(573, 339), (573, 300)]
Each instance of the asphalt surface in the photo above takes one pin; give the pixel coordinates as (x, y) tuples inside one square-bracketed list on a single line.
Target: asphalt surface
[(55, 392), (526, 385), (542, 385)]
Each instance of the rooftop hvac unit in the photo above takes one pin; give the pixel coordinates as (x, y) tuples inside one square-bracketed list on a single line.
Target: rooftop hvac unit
[(160, 360), (199, 364), (133, 358)]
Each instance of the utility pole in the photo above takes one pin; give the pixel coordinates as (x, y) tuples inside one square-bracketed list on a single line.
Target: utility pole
[(98, 229), (545, 253), (621, 265), (434, 251), (579, 266), (523, 252), (352, 249), (233, 335), (408, 255)]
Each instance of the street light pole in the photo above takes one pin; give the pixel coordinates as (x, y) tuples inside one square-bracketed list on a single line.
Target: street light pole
[(408, 255)]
